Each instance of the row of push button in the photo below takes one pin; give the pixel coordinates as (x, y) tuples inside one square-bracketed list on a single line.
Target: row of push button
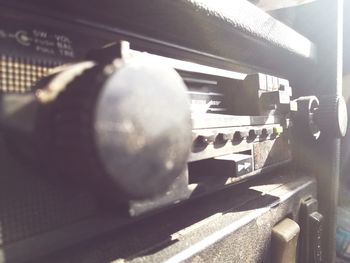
[(251, 134)]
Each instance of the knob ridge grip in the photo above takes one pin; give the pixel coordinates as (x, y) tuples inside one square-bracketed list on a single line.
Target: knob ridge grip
[(331, 116)]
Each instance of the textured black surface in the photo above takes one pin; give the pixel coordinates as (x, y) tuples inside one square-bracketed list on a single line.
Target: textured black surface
[(233, 225), (31, 204), (234, 29), (320, 22)]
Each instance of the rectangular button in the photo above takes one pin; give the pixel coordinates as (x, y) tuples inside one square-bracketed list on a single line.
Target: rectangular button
[(284, 241), (236, 164)]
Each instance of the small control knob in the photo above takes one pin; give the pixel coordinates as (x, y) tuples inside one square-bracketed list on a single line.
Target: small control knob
[(332, 116), (124, 128), (240, 135), (204, 140), (266, 132), (326, 115), (224, 137), (253, 133), (304, 118)]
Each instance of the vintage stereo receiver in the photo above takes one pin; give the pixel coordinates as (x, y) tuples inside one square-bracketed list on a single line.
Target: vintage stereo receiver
[(99, 127)]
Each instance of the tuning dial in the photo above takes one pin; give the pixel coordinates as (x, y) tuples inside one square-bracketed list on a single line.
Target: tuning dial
[(332, 116), (124, 127)]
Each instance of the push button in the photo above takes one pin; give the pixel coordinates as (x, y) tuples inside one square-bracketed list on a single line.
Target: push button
[(284, 241), (233, 165), (266, 132), (277, 130), (224, 137), (240, 135), (204, 140), (253, 133)]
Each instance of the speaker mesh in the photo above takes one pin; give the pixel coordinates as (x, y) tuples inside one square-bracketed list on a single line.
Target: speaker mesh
[(19, 74)]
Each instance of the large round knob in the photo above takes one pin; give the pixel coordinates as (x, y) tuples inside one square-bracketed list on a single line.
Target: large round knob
[(332, 116), (125, 128)]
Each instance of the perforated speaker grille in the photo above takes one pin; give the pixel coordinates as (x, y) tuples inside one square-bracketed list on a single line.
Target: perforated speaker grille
[(33, 203), (19, 74)]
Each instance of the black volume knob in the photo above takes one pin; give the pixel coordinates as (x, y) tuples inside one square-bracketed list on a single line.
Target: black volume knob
[(332, 116), (125, 128)]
